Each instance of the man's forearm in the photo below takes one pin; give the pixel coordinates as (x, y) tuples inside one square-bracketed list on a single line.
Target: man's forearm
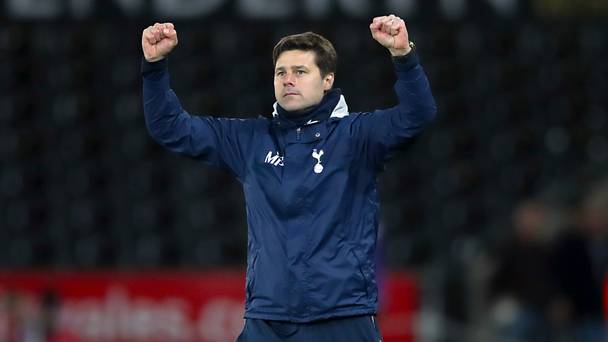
[(161, 106), (413, 90)]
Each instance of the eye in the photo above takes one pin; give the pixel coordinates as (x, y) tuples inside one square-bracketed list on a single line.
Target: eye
[(300, 72), (280, 73)]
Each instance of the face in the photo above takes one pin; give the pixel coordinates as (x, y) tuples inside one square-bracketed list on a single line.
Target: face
[(297, 80)]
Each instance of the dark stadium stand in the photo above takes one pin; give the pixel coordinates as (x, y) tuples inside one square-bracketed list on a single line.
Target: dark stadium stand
[(521, 113)]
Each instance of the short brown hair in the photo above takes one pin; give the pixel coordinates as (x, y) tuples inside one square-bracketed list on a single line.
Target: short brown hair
[(325, 54)]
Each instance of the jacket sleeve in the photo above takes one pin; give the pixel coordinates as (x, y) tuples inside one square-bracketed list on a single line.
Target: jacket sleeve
[(219, 142), (384, 131)]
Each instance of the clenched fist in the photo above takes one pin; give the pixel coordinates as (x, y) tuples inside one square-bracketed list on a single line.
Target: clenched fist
[(391, 33), (157, 41)]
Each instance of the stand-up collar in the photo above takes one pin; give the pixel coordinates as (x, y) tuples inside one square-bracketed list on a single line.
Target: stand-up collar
[(333, 104)]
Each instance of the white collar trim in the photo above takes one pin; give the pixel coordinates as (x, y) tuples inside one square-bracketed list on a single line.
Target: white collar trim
[(340, 110)]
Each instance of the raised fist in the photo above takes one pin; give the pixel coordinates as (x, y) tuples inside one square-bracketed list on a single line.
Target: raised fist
[(391, 33), (157, 41)]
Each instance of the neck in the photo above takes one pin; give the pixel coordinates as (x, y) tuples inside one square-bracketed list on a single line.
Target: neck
[(301, 112)]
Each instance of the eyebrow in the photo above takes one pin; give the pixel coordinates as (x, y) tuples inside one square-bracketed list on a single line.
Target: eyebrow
[(293, 67)]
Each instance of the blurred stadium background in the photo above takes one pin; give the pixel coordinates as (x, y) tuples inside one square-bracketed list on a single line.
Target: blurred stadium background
[(494, 222)]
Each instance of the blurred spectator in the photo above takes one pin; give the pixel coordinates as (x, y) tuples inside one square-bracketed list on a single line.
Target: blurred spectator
[(29, 318), (522, 289), (51, 331), (18, 318), (12, 318), (581, 263)]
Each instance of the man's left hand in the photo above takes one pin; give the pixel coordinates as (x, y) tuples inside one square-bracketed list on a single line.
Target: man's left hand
[(390, 32)]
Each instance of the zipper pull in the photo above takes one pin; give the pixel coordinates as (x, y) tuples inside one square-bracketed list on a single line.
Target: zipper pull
[(298, 131)]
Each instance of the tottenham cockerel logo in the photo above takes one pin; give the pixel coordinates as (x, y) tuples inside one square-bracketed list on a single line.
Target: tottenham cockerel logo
[(317, 155)]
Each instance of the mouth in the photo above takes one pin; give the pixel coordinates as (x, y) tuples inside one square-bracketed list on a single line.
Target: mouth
[(290, 94)]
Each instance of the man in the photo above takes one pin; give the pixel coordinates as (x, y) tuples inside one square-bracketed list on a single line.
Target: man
[(309, 179)]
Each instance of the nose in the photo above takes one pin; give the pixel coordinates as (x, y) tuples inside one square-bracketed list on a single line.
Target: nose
[(288, 79)]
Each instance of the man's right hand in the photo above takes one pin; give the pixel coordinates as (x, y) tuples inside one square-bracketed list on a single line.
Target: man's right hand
[(157, 41)]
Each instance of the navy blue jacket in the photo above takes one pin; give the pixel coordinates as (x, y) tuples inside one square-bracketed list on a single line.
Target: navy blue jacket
[(310, 190)]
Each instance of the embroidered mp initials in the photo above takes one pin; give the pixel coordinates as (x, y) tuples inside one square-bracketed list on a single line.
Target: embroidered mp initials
[(275, 160)]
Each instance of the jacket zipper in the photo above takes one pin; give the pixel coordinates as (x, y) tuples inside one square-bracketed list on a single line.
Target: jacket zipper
[(298, 131)]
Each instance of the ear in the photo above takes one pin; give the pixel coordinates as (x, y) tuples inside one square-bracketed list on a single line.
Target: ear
[(328, 81)]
